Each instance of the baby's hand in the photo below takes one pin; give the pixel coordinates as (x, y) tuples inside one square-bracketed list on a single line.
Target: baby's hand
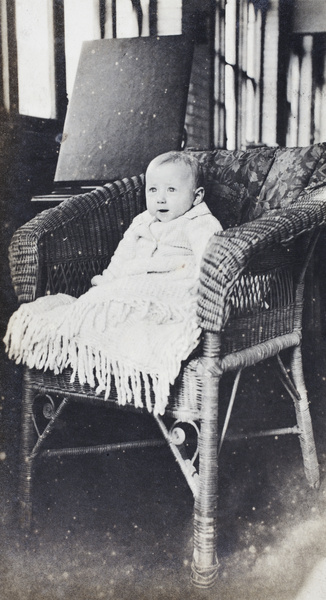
[(194, 289), (101, 279), (96, 280)]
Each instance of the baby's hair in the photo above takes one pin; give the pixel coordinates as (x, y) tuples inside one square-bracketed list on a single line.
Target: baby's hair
[(181, 157)]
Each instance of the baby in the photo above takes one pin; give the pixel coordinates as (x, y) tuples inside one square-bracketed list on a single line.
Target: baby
[(171, 235), (138, 322)]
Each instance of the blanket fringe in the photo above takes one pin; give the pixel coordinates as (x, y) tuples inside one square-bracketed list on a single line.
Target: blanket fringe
[(59, 332)]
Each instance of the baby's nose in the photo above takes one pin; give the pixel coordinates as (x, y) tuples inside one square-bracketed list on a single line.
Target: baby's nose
[(161, 198)]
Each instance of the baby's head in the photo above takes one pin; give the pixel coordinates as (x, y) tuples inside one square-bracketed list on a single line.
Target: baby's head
[(174, 183)]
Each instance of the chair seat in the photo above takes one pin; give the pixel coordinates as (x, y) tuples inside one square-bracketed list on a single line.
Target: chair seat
[(184, 401)]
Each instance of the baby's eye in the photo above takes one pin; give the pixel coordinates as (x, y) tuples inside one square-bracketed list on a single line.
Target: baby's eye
[(152, 190), (171, 189)]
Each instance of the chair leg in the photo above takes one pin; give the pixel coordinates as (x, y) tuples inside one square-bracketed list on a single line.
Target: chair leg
[(205, 563), (26, 465), (306, 436)]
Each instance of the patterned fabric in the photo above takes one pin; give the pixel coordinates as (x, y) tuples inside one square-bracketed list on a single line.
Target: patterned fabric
[(292, 170), (233, 181), (318, 176)]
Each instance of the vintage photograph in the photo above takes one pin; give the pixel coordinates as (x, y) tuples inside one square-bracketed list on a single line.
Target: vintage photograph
[(163, 300)]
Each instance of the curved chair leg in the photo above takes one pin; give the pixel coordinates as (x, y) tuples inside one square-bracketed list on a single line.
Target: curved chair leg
[(306, 436), (205, 563), (26, 465)]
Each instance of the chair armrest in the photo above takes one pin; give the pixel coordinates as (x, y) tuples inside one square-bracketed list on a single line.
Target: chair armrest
[(73, 241), (231, 252)]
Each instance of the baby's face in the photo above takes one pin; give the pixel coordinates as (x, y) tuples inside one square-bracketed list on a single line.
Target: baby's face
[(170, 190)]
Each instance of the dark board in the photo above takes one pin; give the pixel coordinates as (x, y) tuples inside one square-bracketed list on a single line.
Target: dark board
[(128, 105)]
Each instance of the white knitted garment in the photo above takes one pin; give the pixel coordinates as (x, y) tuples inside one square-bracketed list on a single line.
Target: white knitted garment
[(137, 329)]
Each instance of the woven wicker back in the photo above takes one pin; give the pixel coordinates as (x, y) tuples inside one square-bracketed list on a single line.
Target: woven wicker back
[(262, 301), (84, 244)]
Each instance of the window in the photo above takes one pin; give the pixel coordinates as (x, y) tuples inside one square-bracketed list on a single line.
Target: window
[(35, 58)]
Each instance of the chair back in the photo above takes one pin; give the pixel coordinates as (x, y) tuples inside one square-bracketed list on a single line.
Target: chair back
[(251, 187), (241, 185)]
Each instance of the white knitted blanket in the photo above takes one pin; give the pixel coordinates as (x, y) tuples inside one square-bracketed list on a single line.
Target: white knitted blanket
[(136, 330)]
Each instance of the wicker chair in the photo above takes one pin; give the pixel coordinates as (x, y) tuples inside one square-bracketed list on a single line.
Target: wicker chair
[(272, 204)]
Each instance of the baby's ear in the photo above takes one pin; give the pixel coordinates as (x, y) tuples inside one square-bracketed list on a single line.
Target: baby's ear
[(199, 196)]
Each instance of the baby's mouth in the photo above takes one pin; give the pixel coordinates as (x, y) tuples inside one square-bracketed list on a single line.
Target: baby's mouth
[(163, 210)]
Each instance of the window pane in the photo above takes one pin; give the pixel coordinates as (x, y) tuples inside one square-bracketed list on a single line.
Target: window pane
[(82, 22), (269, 108), (127, 23), (35, 56), (169, 17), (5, 56)]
